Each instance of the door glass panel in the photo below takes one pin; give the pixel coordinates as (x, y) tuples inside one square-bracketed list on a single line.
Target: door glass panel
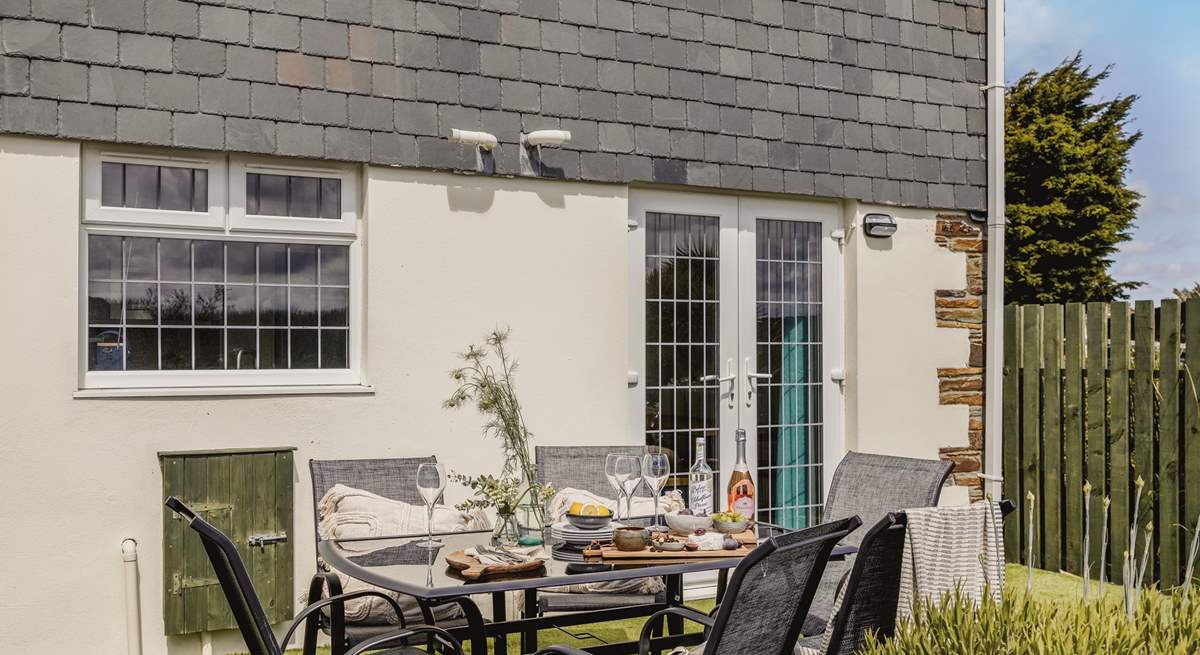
[(788, 347), (682, 337)]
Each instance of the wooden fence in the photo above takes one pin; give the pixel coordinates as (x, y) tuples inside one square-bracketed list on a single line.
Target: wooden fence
[(1103, 393)]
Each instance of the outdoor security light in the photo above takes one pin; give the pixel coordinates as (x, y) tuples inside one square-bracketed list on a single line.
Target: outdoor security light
[(467, 137), (879, 225)]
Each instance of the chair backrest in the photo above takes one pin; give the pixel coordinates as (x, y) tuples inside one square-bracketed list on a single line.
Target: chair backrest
[(869, 486), (235, 582), (581, 467), (770, 591), (394, 478), (869, 598)]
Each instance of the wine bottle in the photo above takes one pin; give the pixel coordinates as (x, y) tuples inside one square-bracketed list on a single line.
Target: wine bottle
[(741, 483), (700, 483)]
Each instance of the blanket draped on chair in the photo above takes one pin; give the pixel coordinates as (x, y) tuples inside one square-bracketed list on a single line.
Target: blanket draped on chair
[(952, 549)]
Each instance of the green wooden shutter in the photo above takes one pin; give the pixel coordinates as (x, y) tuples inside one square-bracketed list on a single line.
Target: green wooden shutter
[(244, 493)]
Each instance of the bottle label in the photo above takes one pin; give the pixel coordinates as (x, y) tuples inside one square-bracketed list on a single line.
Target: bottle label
[(744, 506), (700, 497)]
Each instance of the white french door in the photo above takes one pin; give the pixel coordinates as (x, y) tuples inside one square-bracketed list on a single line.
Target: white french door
[(736, 324)]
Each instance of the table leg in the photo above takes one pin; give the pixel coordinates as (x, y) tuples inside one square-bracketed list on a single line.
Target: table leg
[(722, 582), (674, 598), (500, 646), (529, 638)]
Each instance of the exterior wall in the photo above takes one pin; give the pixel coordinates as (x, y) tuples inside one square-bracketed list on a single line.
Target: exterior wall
[(79, 475), (895, 347), (864, 99)]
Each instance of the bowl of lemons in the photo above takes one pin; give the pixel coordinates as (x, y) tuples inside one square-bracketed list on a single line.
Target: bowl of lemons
[(589, 516)]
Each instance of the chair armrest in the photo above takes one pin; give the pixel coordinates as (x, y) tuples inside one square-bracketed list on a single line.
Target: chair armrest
[(446, 639), (313, 608), (685, 612), (561, 650)]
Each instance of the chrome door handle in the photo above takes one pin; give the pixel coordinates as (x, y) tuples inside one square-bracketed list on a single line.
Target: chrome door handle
[(721, 379), (751, 377)]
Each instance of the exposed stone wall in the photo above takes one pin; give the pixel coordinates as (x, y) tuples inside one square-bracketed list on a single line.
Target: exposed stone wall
[(964, 309), (876, 100)]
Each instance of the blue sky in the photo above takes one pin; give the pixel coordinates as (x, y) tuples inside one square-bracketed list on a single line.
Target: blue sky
[(1156, 54)]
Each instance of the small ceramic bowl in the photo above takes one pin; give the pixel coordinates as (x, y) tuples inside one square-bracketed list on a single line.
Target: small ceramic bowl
[(588, 522), (629, 539), (684, 525), (730, 527), (671, 546)]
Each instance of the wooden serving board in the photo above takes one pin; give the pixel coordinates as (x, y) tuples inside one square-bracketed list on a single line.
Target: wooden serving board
[(611, 552), (472, 569)]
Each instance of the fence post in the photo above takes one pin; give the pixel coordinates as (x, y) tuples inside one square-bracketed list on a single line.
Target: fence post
[(1191, 413), (1012, 426), (1120, 489), (1052, 478), (1169, 517), (1031, 456), (1096, 413), (1142, 447), (1073, 451)]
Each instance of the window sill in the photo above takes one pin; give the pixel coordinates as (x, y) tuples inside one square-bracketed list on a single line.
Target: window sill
[(198, 392)]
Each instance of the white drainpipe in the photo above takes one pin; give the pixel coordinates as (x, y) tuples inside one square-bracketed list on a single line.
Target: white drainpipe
[(994, 335), (133, 603)]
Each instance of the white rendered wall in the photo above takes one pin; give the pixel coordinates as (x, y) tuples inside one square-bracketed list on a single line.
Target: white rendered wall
[(448, 258)]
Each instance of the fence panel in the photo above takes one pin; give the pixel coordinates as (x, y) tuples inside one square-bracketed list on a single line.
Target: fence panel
[(1103, 393)]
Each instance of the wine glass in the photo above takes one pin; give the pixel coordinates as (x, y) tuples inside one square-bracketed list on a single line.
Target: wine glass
[(610, 472), (656, 468), (431, 482), (629, 474)]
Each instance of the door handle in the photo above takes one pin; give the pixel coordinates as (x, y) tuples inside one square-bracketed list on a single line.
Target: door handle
[(751, 377), (729, 376)]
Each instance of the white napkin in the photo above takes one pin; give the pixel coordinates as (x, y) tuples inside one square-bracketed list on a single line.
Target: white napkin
[(488, 555)]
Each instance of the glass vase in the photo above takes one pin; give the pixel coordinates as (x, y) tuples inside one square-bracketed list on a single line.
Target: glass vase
[(507, 532)]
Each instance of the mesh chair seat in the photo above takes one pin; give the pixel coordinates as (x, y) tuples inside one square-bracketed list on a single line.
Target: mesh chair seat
[(553, 601)]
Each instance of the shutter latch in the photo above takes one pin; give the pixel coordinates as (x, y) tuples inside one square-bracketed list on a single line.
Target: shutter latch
[(261, 540)]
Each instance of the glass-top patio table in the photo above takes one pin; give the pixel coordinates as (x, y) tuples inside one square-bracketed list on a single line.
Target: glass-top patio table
[(398, 564)]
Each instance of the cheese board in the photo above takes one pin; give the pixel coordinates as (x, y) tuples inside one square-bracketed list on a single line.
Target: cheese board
[(472, 569), (610, 552)]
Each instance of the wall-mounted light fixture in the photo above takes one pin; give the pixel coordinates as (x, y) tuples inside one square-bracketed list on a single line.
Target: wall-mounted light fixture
[(531, 148), (484, 144), (879, 225)]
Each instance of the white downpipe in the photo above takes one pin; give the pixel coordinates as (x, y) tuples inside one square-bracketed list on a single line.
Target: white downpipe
[(994, 330), (133, 603)]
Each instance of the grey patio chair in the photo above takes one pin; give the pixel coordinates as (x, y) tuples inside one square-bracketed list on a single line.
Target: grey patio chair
[(870, 486), (582, 467), (768, 593), (252, 621), (393, 478)]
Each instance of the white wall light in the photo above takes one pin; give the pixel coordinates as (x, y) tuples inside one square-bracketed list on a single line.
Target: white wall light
[(531, 149), (880, 226)]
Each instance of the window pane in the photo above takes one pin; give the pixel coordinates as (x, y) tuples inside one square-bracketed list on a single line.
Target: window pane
[(304, 306), (142, 257), (176, 304), (143, 349), (209, 257), (141, 303), (176, 349), (251, 193), (273, 348), (199, 190), (141, 186), (241, 262), (175, 190), (334, 306), (242, 349), (304, 348), (303, 196), (112, 184), (239, 303), (333, 349), (105, 350), (104, 258), (304, 264), (104, 302), (272, 263), (331, 198), (272, 305), (335, 265), (210, 304), (209, 349), (175, 257), (272, 195)]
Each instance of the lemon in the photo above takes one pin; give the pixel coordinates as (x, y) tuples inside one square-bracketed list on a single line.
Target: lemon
[(576, 508)]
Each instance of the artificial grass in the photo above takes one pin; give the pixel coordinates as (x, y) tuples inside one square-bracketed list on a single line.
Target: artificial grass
[(1047, 585)]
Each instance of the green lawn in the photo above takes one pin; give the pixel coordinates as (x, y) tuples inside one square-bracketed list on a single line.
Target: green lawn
[(1047, 585)]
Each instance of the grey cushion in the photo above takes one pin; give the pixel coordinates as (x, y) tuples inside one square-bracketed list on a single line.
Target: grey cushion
[(394, 478)]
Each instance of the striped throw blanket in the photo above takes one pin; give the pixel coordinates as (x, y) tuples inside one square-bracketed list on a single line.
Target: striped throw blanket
[(949, 548)]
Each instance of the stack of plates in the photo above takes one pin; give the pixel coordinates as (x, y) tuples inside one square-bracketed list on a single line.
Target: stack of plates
[(567, 552), (574, 539)]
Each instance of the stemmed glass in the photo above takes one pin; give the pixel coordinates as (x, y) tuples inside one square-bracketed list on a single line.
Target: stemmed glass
[(431, 482), (629, 474), (610, 472), (656, 468)]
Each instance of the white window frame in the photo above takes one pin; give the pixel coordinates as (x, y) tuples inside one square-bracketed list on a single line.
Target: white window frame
[(95, 213), (159, 224), (239, 220)]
